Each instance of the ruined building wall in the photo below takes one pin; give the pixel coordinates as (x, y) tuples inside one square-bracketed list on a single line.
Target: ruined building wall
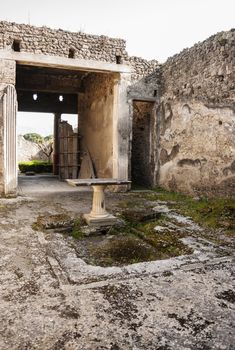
[(95, 110), (47, 41), (43, 40), (197, 113)]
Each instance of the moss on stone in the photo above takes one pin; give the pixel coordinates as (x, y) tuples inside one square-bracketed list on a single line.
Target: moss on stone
[(122, 250), (76, 232), (48, 221), (209, 212)]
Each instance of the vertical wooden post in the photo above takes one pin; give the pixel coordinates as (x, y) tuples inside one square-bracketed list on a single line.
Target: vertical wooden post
[(57, 120)]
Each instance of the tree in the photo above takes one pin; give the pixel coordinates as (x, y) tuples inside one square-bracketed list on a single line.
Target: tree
[(34, 137), (46, 147), (45, 144)]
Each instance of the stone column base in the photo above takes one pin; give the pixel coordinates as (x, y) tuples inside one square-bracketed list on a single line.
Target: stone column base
[(107, 220), (98, 215)]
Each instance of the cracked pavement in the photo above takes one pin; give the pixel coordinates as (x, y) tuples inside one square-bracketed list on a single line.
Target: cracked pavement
[(52, 299)]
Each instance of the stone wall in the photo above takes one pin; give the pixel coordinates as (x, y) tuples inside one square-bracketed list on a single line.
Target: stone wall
[(43, 40), (47, 41), (204, 72), (194, 97), (197, 118), (194, 94), (141, 67)]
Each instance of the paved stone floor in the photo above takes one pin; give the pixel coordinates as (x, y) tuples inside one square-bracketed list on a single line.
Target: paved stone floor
[(51, 299)]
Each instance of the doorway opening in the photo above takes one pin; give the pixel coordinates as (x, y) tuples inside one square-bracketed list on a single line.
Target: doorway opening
[(66, 94), (142, 157)]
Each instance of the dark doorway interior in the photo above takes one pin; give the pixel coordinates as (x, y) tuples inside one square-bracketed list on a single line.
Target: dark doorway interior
[(141, 161)]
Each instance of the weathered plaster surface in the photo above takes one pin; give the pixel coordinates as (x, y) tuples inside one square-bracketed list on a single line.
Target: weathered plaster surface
[(195, 111), (198, 118), (96, 121), (198, 149)]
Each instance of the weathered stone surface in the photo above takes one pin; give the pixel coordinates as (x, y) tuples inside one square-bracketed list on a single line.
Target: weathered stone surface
[(47, 41), (7, 72), (195, 115), (191, 141), (51, 299)]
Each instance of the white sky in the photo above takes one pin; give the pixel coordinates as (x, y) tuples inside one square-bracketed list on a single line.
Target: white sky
[(153, 29), (40, 123)]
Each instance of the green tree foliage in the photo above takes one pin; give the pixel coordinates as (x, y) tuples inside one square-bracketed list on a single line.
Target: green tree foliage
[(49, 138), (34, 137)]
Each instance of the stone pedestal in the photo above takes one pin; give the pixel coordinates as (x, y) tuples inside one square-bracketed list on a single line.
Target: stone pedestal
[(98, 215)]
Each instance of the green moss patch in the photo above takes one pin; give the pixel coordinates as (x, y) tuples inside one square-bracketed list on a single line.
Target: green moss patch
[(121, 250), (212, 213), (131, 243)]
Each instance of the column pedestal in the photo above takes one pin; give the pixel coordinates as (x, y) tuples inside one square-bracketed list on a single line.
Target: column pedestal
[(98, 215)]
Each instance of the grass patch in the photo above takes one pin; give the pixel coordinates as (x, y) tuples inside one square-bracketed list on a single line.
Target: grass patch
[(122, 250), (167, 244), (135, 242), (209, 212), (76, 232)]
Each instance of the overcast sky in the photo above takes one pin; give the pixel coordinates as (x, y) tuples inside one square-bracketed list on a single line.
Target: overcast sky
[(153, 29)]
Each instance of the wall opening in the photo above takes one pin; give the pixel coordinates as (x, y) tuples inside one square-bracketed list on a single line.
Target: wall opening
[(35, 143), (142, 161), (16, 45), (71, 53), (82, 116), (118, 59)]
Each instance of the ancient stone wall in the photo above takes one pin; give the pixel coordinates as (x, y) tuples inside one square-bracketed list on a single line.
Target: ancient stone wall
[(204, 72), (197, 113), (47, 41), (43, 40), (142, 67)]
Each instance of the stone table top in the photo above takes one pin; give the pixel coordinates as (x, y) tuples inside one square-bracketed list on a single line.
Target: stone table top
[(97, 182)]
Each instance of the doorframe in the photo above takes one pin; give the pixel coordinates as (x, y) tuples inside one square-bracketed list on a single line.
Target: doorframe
[(154, 135)]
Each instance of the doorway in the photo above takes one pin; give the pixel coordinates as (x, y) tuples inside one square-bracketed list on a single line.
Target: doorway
[(142, 157)]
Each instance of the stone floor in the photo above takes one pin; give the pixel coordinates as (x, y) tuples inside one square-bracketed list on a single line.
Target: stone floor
[(51, 299)]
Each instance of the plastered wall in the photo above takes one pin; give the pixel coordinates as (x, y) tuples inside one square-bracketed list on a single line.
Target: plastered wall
[(95, 110), (195, 114), (7, 77), (197, 109)]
